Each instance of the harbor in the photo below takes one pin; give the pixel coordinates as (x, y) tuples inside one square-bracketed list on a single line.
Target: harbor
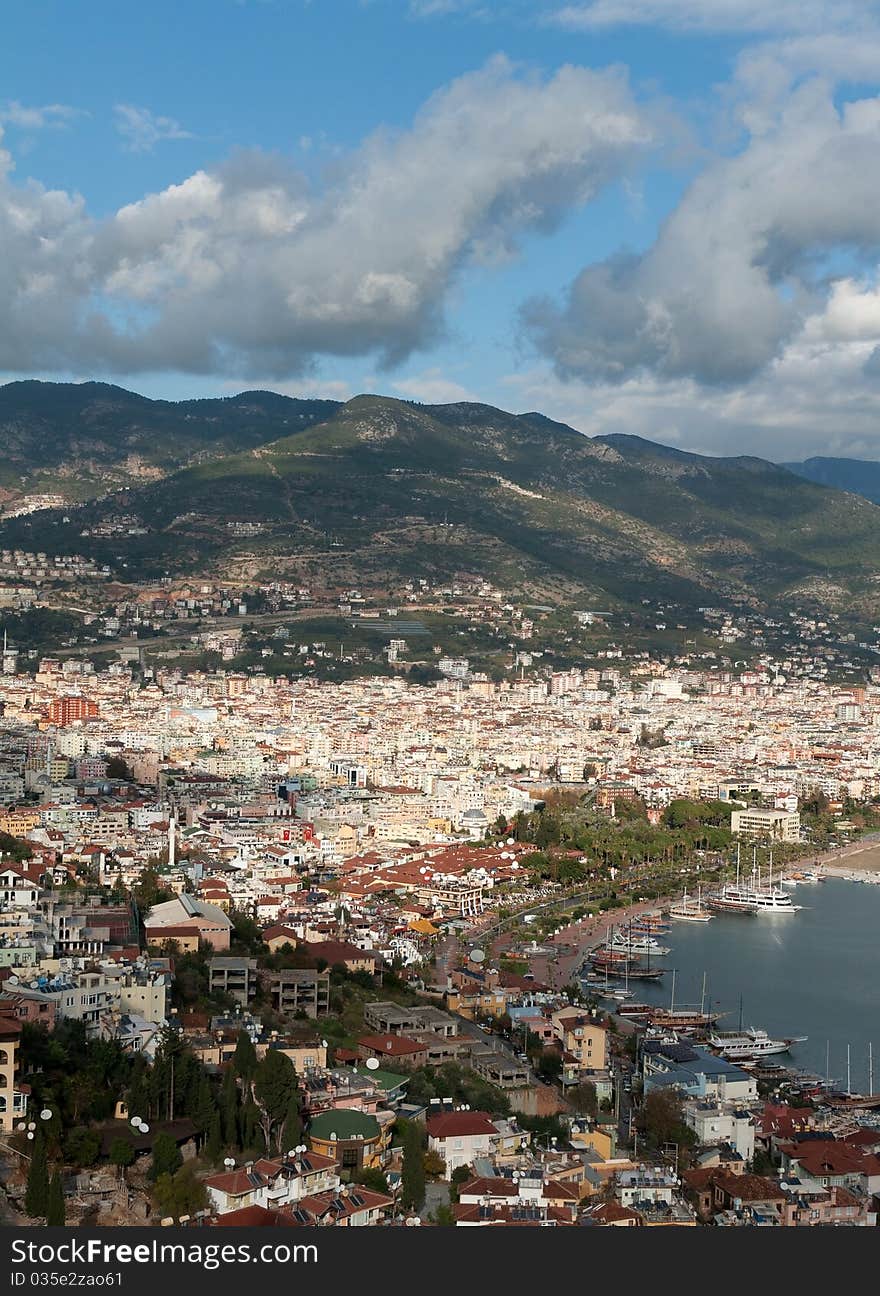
[(807, 983)]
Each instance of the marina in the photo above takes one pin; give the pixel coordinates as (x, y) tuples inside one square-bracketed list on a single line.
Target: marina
[(811, 983)]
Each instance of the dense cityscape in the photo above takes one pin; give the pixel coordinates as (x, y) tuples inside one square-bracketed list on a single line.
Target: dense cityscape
[(278, 950), (439, 636)]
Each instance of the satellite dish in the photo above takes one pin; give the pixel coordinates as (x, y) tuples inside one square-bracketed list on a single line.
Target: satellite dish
[(46, 1114), (509, 841), (372, 1064), (477, 955), (145, 1129)]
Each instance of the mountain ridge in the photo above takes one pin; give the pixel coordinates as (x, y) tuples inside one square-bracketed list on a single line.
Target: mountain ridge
[(374, 491), (858, 476)]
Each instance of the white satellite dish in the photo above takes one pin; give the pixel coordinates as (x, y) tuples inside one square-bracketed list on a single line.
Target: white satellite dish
[(477, 955), (509, 841), (372, 1064)]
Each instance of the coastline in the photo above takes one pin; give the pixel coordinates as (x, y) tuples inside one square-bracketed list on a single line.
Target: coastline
[(576, 940)]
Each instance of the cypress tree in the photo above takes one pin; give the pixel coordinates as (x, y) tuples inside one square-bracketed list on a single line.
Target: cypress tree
[(36, 1199), (292, 1130), (214, 1141), (244, 1060), (413, 1175), (55, 1204), (229, 1110)]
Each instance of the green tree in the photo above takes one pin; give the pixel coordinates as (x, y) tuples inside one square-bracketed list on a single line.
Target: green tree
[(583, 1099), (229, 1109), (204, 1107), (443, 1216), (374, 1178), (661, 1120), (122, 1153), (181, 1193), (244, 1059), (292, 1129), (167, 1159), (36, 1198), (214, 1141), (413, 1174), (274, 1088), (55, 1201), (81, 1147)]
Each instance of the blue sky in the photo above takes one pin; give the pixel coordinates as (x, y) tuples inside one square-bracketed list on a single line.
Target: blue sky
[(658, 216)]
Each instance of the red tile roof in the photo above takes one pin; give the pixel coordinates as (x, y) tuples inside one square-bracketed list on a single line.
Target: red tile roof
[(460, 1124)]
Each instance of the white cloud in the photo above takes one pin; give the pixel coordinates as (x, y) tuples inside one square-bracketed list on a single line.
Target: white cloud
[(433, 387), (37, 116), (142, 130), (739, 16), (243, 269), (818, 397), (740, 264)]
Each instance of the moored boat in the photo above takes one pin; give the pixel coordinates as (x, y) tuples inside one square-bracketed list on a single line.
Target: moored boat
[(750, 1044)]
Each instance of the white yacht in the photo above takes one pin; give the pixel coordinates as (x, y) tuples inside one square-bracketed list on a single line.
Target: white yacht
[(750, 1044), (753, 897)]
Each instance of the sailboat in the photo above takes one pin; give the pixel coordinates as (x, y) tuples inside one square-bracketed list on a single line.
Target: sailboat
[(683, 1019), (689, 910)]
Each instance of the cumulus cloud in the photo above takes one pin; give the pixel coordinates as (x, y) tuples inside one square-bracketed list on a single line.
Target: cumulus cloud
[(244, 268), (142, 130), (818, 397), (740, 264)]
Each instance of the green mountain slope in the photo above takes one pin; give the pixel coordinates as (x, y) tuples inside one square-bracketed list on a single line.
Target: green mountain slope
[(382, 491), (81, 439)]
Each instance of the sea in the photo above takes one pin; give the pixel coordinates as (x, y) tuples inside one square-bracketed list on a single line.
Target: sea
[(815, 973)]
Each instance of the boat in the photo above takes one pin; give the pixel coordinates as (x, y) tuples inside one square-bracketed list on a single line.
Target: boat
[(683, 1020), (635, 1011), (649, 922), (621, 966), (750, 1044), (752, 898), (632, 944), (690, 910)]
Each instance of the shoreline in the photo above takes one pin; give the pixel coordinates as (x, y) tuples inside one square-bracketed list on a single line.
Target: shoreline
[(576, 940)]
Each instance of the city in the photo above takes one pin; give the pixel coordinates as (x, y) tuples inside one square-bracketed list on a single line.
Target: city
[(282, 950), (439, 637)]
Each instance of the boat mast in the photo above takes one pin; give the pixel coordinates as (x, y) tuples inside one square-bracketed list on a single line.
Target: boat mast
[(672, 1001), (703, 997), (870, 1069), (848, 1078)]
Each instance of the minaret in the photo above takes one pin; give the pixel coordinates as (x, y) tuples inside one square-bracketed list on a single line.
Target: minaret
[(172, 839)]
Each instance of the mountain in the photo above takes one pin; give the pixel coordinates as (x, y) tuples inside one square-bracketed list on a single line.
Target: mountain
[(78, 440), (860, 476), (377, 491)]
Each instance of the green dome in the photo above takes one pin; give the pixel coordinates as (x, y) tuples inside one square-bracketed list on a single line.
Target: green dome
[(345, 1123)]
